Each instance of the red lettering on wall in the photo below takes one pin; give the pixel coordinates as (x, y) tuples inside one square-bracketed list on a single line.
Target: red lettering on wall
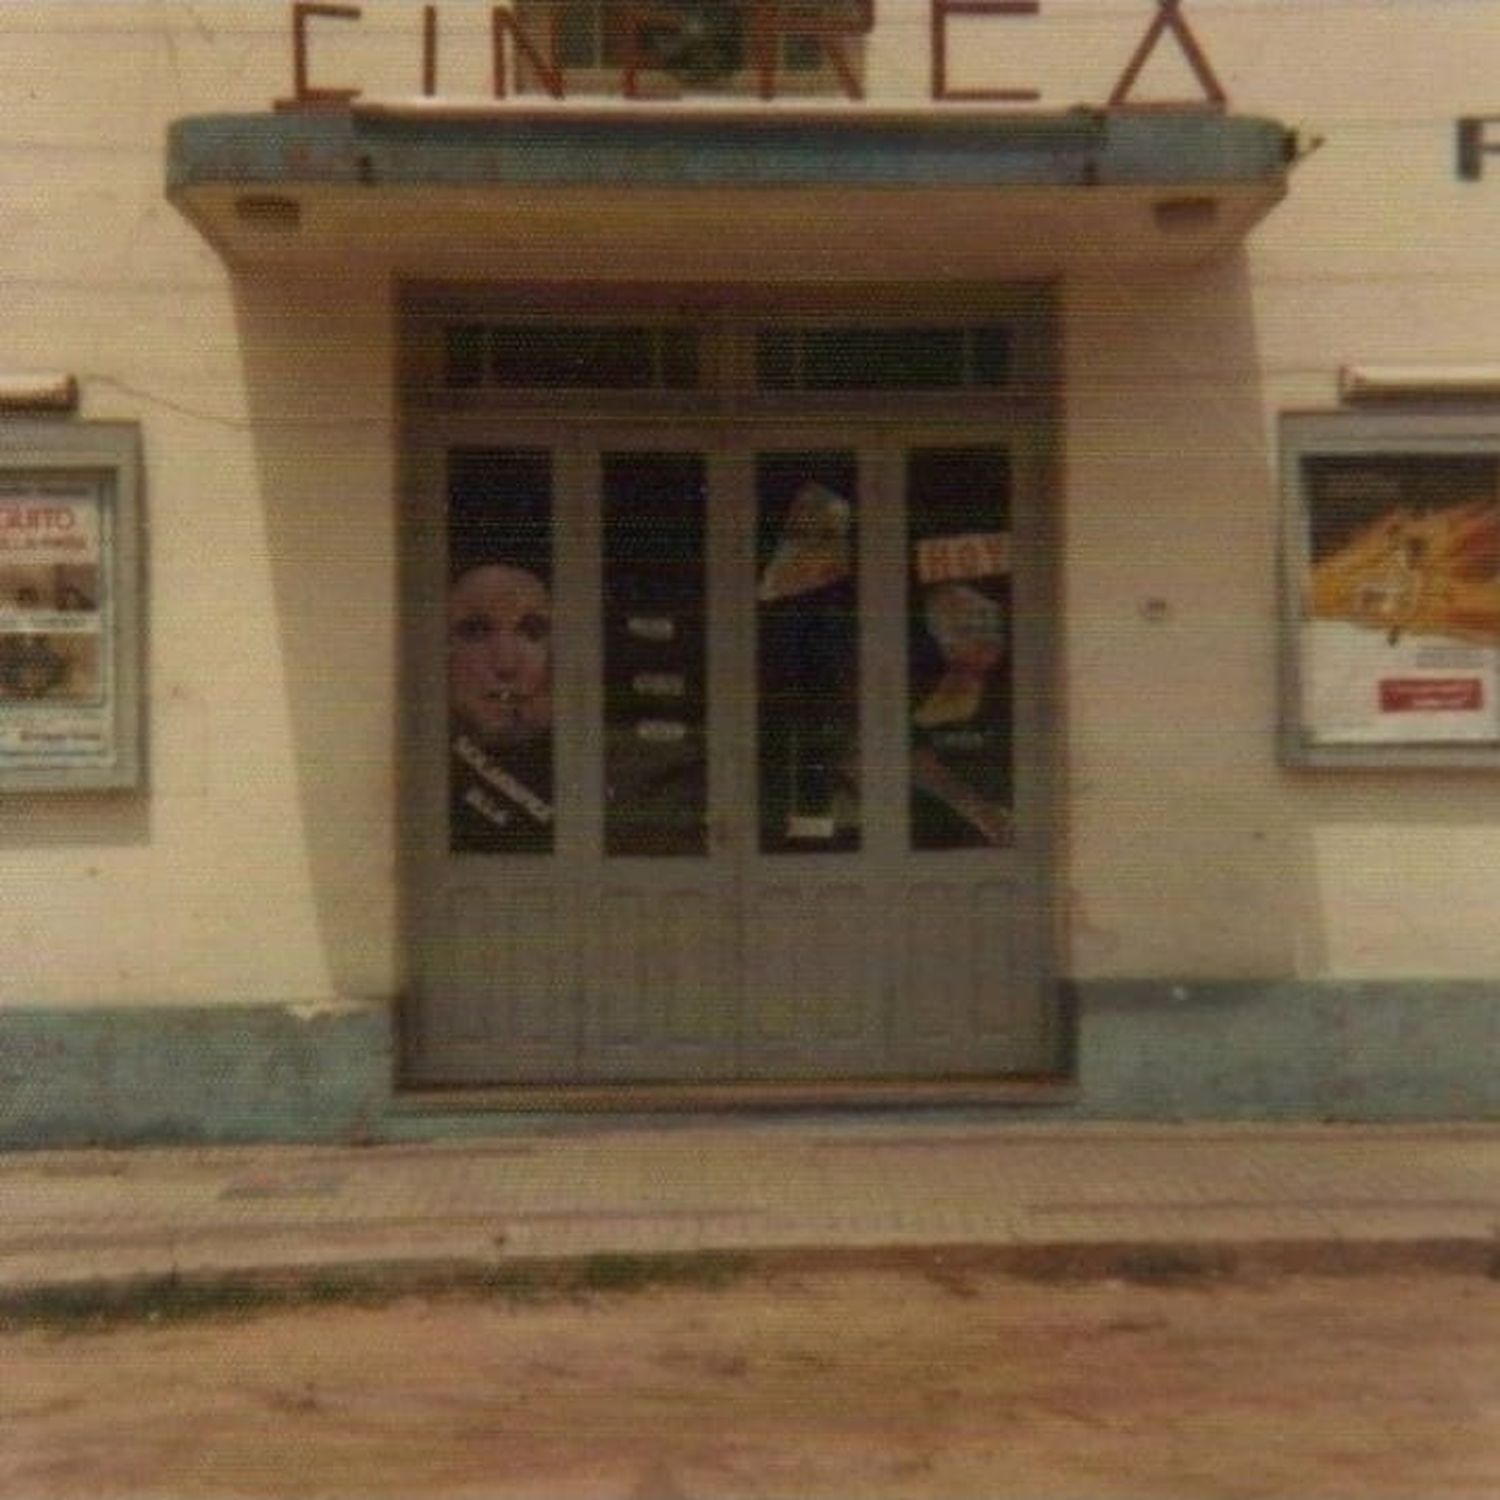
[(1478, 137), (429, 50), (636, 21), (770, 22), (1169, 17), (304, 95), (547, 70), (941, 11)]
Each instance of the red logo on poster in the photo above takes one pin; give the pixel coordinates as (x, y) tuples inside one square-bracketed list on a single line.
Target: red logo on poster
[(1407, 695)]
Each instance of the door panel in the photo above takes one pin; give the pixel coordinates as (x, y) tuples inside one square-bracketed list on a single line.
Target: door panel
[(663, 967), (960, 667), (654, 527), (810, 975), (807, 661), (1003, 922), (501, 687), (660, 986), (962, 950), (506, 986), (811, 873), (728, 757)]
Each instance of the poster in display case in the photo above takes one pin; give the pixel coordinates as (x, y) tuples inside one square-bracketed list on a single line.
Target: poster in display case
[(69, 606), (1392, 589)]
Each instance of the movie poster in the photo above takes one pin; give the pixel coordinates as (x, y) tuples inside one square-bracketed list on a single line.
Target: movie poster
[(807, 653), (959, 648), (500, 652), (57, 690), (1401, 602)]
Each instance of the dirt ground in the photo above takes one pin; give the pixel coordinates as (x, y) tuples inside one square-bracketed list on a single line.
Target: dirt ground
[(870, 1383)]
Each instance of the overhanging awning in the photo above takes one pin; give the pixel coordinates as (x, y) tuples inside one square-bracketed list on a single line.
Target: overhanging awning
[(722, 192)]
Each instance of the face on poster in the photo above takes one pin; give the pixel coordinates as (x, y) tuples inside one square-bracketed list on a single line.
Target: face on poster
[(1401, 602), (500, 652)]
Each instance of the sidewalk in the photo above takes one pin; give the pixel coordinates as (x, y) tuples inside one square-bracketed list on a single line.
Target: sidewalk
[(1303, 1196)]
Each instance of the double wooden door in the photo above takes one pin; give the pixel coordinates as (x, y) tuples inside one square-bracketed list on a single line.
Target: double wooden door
[(727, 755)]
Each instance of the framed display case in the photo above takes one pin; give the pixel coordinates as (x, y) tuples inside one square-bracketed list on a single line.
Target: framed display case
[(70, 606), (1391, 636)]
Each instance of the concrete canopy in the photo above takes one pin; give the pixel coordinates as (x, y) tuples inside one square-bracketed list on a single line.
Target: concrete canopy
[(727, 192)]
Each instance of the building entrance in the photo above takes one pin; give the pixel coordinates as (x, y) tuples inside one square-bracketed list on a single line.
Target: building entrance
[(728, 753)]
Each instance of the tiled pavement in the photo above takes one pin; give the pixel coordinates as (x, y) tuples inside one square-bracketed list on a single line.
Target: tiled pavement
[(1411, 1193)]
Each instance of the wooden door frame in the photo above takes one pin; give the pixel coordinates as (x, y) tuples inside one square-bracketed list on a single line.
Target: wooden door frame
[(868, 429)]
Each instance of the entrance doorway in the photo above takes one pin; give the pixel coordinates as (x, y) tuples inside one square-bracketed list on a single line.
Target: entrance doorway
[(729, 750)]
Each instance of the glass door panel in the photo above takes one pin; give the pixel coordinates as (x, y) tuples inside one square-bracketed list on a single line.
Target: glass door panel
[(959, 659), (654, 513), (499, 649), (807, 652), (777, 643)]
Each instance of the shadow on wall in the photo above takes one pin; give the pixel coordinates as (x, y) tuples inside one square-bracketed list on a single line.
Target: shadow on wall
[(82, 820), (318, 366), (1189, 852)]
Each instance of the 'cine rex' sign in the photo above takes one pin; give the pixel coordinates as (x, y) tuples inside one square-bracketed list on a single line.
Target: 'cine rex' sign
[(765, 24)]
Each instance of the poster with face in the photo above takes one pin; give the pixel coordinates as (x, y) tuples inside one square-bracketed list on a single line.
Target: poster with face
[(1401, 602), (500, 651)]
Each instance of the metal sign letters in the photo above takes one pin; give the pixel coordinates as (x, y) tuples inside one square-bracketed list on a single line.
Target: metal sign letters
[(766, 25)]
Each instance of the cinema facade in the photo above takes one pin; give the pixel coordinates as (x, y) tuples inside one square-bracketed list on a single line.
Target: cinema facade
[(730, 556)]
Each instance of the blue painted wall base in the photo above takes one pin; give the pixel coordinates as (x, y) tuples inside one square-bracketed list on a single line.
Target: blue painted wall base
[(1144, 1050), (1288, 1050), (174, 1075)]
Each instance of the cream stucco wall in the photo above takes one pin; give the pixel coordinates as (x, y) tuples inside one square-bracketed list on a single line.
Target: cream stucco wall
[(260, 864), (1192, 853)]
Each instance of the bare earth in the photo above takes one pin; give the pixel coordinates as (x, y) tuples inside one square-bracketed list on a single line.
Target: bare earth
[(864, 1383)]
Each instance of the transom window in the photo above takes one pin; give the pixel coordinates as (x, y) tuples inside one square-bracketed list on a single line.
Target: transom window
[(521, 356), (862, 358), (570, 356)]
